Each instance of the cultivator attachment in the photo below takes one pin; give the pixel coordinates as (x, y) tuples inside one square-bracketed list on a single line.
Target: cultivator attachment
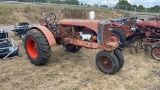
[(8, 47), (136, 46), (151, 46)]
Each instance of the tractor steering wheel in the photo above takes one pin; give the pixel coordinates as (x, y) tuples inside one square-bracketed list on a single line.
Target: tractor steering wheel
[(51, 18), (127, 16)]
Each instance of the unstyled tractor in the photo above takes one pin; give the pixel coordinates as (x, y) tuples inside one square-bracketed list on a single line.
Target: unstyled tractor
[(124, 30), (149, 33), (74, 34)]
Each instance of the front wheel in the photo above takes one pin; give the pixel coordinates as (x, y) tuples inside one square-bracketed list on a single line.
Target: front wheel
[(155, 52), (120, 58), (37, 47), (107, 62)]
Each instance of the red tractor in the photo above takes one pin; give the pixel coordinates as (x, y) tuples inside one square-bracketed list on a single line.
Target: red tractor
[(124, 30), (149, 33), (73, 35), (129, 29)]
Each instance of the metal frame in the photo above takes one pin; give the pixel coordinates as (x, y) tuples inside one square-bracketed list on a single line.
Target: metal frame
[(14, 45)]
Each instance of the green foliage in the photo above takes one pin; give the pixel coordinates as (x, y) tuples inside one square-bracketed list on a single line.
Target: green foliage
[(141, 7), (104, 6), (32, 0), (156, 9), (124, 4), (72, 2)]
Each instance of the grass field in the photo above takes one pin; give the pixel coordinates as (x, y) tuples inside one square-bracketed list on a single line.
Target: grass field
[(77, 71)]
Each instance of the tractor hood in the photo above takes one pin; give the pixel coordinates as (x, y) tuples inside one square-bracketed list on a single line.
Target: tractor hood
[(92, 24), (149, 23)]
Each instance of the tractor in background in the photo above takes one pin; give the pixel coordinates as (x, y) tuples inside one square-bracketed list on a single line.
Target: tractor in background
[(123, 30), (149, 33), (130, 29), (73, 34)]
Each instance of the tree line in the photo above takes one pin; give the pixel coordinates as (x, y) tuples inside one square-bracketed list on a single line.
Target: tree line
[(125, 5)]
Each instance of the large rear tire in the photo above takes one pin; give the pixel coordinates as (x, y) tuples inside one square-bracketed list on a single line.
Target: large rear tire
[(37, 47), (118, 35), (107, 62)]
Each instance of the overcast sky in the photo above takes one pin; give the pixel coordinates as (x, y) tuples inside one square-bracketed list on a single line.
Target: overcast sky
[(146, 3)]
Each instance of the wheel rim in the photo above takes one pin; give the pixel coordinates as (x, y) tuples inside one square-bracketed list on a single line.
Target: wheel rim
[(105, 63), (156, 53), (115, 38), (32, 48)]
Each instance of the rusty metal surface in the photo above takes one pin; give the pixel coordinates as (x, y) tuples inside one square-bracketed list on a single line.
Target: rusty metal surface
[(106, 33), (149, 23), (71, 35), (111, 46), (76, 32), (125, 28), (92, 24), (42, 22)]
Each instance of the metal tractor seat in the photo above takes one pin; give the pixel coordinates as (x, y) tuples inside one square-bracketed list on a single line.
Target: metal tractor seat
[(8, 47)]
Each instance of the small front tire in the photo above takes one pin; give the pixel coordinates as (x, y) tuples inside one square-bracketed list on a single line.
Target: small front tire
[(107, 62), (120, 58)]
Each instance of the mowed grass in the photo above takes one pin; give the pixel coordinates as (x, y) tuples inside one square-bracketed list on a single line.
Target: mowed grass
[(77, 71)]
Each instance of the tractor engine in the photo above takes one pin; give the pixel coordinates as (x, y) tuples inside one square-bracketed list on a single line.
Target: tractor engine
[(77, 32)]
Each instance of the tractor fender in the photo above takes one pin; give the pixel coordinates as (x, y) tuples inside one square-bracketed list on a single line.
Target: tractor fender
[(47, 33)]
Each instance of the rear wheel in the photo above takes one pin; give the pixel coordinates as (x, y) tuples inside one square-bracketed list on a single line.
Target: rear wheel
[(37, 47), (119, 36), (155, 52), (72, 48), (120, 58), (107, 62)]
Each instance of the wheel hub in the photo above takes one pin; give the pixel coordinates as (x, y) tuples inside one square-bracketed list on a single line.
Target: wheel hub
[(32, 48), (105, 63)]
